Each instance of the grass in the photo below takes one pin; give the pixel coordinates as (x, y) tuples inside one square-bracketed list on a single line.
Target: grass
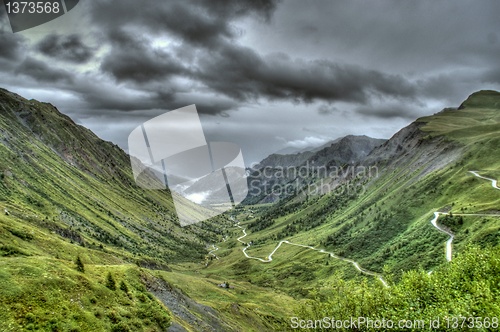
[(467, 287), (74, 184), (49, 294), (246, 307), (386, 228), (70, 195)]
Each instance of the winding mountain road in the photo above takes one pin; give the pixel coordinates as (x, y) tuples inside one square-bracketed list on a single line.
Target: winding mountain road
[(452, 236), (493, 182), (442, 230), (211, 252), (354, 263), (270, 257)]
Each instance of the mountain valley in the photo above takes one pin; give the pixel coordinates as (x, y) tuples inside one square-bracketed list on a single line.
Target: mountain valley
[(342, 230)]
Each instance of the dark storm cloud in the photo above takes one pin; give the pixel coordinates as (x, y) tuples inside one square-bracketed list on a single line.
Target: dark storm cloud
[(401, 36), (241, 73), (386, 112), (327, 109), (112, 98), (237, 8), (131, 59), (67, 48), (366, 67), (42, 72), (208, 105), (209, 55), (194, 22), (12, 45), (99, 101), (102, 99)]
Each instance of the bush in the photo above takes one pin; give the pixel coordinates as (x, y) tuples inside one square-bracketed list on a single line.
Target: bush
[(110, 282), (466, 287), (6, 251), (79, 265), (123, 286), (22, 235), (120, 327)]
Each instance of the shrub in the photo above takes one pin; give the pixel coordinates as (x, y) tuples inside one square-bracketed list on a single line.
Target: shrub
[(123, 286), (110, 281), (79, 265)]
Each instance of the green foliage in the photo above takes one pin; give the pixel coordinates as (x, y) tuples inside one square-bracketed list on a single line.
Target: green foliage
[(260, 224), (69, 195), (467, 287), (451, 221), (110, 281), (61, 179), (123, 286), (79, 265), (10, 251), (22, 235), (388, 222), (50, 295)]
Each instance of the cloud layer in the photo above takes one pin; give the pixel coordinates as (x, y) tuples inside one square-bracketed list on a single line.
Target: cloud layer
[(353, 67)]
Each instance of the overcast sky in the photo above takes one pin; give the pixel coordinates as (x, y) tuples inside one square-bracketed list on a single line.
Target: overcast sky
[(263, 74)]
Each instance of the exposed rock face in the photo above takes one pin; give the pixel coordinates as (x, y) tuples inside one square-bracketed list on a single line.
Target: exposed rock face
[(198, 316), (350, 149), (298, 169), (413, 149)]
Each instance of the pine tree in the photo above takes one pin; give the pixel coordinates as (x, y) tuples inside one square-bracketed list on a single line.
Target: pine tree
[(110, 282), (123, 286), (79, 265)]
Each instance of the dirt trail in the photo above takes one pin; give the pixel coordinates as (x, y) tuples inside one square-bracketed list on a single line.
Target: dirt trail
[(493, 182), (270, 257), (354, 263)]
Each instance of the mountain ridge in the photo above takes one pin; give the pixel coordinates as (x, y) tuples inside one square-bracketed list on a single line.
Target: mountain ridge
[(347, 150), (385, 221), (66, 160)]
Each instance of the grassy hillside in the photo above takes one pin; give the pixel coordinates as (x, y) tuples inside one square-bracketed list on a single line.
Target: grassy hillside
[(64, 179), (385, 225), (448, 299), (65, 194), (42, 293)]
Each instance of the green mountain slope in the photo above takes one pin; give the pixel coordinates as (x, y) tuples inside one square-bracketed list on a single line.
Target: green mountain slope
[(63, 179), (65, 195), (382, 219)]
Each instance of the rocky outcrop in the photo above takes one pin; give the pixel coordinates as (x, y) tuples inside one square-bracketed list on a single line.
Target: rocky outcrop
[(297, 170)]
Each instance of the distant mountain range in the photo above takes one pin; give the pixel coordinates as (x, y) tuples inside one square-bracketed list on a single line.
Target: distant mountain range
[(282, 169), (292, 150)]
